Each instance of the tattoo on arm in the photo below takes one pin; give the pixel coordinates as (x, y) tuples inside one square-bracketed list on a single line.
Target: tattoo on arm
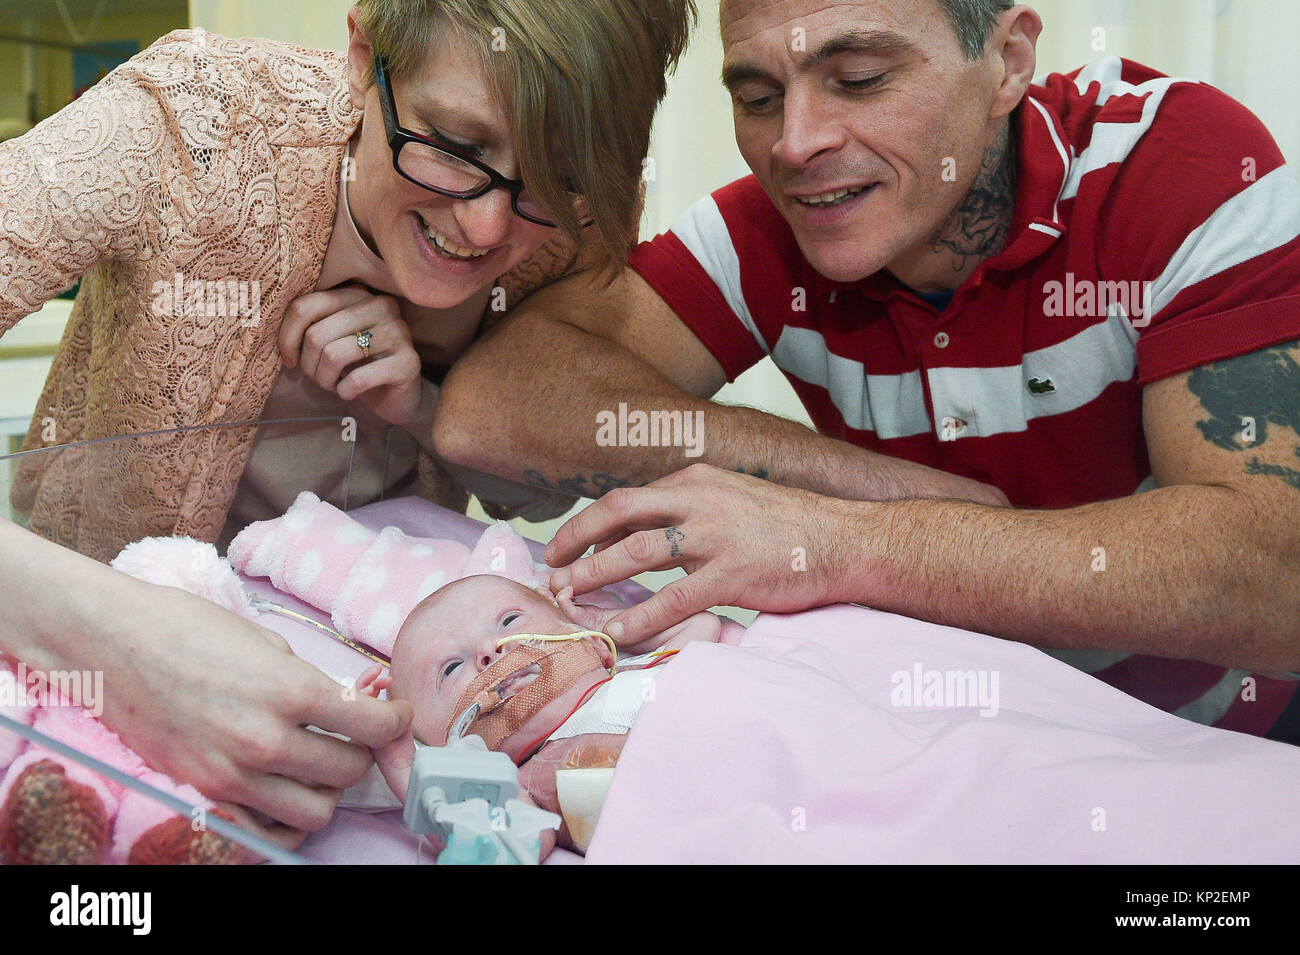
[(579, 485), (1246, 394), (600, 484)]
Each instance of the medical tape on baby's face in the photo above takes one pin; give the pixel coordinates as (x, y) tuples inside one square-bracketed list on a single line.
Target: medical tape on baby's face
[(560, 661)]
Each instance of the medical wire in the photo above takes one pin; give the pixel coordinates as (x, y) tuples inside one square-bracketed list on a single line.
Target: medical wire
[(516, 847), (262, 604), (533, 748), (562, 638), (468, 715)]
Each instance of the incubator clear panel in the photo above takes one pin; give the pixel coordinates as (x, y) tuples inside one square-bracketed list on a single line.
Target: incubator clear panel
[(60, 803), (51, 489)]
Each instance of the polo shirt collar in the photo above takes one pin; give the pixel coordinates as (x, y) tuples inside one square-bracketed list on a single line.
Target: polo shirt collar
[(1044, 167)]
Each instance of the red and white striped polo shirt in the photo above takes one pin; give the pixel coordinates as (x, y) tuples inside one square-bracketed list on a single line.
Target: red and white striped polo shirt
[(1156, 228)]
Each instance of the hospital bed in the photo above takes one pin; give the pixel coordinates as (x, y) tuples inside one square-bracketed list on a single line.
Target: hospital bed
[(850, 735)]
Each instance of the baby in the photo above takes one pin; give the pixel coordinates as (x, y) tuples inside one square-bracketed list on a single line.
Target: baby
[(549, 705)]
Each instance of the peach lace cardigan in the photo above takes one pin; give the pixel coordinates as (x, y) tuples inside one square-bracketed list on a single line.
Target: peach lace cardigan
[(214, 158)]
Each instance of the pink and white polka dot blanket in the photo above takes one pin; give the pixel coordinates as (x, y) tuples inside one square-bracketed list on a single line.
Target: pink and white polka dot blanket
[(369, 581)]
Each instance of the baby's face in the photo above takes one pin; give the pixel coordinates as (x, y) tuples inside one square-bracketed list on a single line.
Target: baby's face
[(451, 638)]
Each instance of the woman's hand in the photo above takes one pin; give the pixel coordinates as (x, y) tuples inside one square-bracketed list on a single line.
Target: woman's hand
[(200, 693), (223, 704), (319, 335)]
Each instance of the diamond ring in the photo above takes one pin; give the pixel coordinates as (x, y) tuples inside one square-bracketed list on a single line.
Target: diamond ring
[(363, 341)]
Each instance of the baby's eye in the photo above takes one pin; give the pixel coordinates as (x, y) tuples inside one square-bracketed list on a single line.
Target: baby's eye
[(510, 618), (450, 668)]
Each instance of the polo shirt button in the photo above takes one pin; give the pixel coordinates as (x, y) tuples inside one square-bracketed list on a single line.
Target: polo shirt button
[(951, 428), (941, 340)]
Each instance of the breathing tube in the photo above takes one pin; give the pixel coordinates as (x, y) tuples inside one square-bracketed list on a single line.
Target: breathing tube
[(488, 708)]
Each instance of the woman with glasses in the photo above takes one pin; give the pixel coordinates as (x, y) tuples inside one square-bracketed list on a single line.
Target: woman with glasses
[(268, 232)]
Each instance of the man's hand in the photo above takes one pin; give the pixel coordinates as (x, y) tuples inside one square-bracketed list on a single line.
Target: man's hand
[(319, 335), (743, 542)]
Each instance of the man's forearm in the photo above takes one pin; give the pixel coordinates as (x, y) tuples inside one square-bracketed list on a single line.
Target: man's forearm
[(1185, 572), (492, 490), (553, 426), (421, 426)]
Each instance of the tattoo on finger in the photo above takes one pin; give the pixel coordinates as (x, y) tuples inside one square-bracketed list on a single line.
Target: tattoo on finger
[(675, 536)]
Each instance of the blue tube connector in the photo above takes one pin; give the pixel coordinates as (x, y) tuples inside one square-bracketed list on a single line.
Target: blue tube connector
[(466, 793)]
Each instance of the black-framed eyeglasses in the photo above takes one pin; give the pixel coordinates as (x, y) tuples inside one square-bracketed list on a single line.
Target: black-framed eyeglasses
[(440, 168)]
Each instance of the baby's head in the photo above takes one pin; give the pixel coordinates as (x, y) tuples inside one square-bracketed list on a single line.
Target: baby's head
[(452, 637)]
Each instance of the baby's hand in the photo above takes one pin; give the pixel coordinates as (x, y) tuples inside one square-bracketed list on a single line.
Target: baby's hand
[(584, 615), (703, 627), (372, 684), (394, 761), (549, 837)]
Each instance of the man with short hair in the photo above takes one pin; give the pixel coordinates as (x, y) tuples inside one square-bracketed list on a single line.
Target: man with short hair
[(1072, 292)]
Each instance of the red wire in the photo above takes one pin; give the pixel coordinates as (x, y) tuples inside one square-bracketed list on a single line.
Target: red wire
[(536, 744)]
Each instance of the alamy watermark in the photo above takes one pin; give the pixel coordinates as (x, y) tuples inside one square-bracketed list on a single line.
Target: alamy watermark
[(225, 298), (131, 909), (1085, 298), (84, 688), (651, 429), (922, 688)]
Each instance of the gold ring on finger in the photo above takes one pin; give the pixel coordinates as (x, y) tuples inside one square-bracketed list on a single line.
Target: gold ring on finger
[(364, 339)]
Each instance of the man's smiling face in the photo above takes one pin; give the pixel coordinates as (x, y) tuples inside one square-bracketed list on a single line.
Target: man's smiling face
[(850, 112)]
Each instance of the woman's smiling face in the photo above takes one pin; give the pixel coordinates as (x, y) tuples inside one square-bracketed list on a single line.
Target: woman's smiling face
[(440, 251)]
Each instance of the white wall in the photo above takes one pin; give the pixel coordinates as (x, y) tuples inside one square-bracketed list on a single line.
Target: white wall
[(321, 24), (693, 146), (1247, 48), (694, 151)]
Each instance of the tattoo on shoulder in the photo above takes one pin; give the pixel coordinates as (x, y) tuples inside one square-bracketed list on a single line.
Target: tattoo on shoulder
[(598, 485), (760, 473), (1247, 394)]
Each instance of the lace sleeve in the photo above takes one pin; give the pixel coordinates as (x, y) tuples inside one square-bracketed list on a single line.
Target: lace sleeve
[(78, 188), (554, 260)]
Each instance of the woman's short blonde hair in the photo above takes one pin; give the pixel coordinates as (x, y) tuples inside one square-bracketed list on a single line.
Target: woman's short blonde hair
[(580, 81)]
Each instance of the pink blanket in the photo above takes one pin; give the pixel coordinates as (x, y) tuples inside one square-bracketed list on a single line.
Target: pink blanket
[(806, 744), (791, 748)]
